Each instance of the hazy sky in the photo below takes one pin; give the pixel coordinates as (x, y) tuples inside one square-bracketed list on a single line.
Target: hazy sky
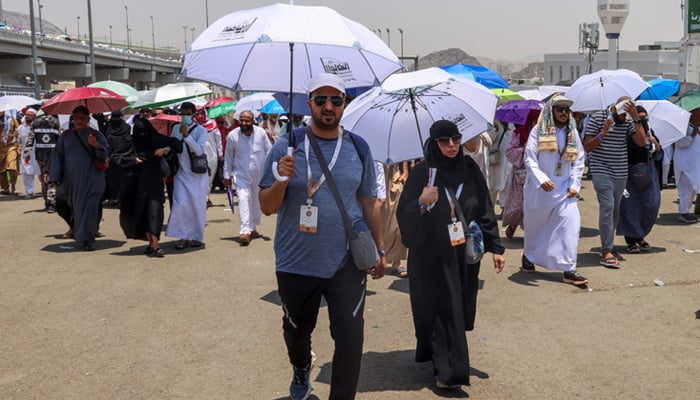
[(502, 29)]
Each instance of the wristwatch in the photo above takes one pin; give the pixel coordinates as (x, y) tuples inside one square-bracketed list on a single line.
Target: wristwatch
[(381, 253)]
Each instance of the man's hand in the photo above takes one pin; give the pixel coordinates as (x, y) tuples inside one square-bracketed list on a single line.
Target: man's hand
[(227, 182), (547, 186), (159, 152), (499, 262), (92, 141), (285, 166), (571, 193), (378, 270), (183, 130)]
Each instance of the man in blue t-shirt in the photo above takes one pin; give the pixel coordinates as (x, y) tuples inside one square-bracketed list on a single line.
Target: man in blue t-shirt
[(311, 246)]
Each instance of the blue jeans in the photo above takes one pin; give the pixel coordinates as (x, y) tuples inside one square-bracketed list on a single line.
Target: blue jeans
[(609, 192)]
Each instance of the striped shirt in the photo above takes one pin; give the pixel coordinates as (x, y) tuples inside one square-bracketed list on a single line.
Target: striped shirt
[(610, 157)]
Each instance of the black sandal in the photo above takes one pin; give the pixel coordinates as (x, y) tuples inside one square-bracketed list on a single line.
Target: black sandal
[(182, 244)]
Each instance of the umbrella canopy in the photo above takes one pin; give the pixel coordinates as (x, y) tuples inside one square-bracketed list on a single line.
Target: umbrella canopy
[(218, 101), (542, 92), (169, 94), (272, 107), (222, 109), (164, 123), (254, 102), (395, 118), (16, 102), (299, 106), (256, 45), (97, 100), (128, 92), (690, 100), (599, 90), (477, 73), (660, 89), (668, 121), (516, 111), (505, 95)]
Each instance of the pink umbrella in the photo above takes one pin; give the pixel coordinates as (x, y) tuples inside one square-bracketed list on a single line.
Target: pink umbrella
[(219, 100), (164, 123), (97, 100)]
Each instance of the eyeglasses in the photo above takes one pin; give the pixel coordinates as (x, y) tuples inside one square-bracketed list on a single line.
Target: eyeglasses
[(562, 109), (445, 140), (320, 101)]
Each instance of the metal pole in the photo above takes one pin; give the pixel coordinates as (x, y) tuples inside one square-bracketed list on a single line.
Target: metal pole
[(110, 35), (41, 23), (153, 36), (184, 29), (35, 61), (401, 34), (128, 39), (206, 11), (92, 43), (388, 37), (192, 30), (78, 18)]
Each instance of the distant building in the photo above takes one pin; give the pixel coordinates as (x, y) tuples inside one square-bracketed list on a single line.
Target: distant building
[(658, 60)]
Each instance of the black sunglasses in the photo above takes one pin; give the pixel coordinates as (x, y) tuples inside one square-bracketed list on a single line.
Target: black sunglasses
[(445, 140), (320, 101), (562, 109)]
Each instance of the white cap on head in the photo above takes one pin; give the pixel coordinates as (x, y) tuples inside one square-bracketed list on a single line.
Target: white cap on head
[(330, 80), (561, 100), (30, 110)]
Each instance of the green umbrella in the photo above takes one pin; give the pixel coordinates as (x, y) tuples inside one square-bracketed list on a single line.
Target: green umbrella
[(690, 100), (222, 109), (505, 95), (128, 92)]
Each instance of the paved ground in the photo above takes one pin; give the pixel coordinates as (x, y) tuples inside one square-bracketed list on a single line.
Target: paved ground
[(205, 323)]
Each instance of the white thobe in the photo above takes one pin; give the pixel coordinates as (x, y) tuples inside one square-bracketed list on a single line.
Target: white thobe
[(245, 158), (686, 167), (498, 174), (214, 150), (189, 211), (552, 222), (30, 170)]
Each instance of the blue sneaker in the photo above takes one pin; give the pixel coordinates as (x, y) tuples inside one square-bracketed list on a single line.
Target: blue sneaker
[(300, 388)]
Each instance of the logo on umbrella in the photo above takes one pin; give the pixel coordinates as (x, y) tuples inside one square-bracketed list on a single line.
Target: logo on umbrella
[(235, 30), (338, 67), (460, 120)]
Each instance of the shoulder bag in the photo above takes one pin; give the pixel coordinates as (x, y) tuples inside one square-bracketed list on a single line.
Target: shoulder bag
[(198, 163), (101, 164), (474, 246), (362, 246), (639, 176)]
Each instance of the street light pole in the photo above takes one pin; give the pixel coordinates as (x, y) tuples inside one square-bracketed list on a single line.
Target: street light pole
[(206, 11), (153, 36), (192, 30), (41, 24), (78, 17), (110, 35), (184, 29), (379, 33), (35, 60), (92, 43), (128, 39), (401, 34), (388, 37)]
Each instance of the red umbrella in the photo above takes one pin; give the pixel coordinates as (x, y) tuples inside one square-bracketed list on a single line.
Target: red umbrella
[(219, 100), (97, 100), (163, 123)]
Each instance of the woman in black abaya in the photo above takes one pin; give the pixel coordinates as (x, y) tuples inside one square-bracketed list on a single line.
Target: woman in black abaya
[(142, 195), (443, 287)]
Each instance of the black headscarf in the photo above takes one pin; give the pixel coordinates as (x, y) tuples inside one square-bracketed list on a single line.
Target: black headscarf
[(451, 171), (144, 135)]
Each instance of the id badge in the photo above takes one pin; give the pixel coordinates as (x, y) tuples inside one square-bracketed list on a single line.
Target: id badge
[(557, 171), (456, 234), (308, 219)]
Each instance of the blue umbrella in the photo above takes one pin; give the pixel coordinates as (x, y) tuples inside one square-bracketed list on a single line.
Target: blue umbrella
[(477, 73), (661, 89), (299, 102), (272, 107)]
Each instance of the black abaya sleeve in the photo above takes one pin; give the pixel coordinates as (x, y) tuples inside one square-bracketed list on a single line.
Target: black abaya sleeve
[(408, 213)]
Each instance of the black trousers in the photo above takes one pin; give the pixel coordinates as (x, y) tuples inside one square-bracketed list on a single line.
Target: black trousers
[(345, 295)]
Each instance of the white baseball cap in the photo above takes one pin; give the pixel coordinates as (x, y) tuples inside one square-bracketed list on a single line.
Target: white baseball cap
[(330, 80)]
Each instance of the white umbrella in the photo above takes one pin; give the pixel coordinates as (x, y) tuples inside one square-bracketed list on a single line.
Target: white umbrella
[(668, 121), (169, 94), (274, 47), (395, 118), (542, 92), (254, 102), (16, 102), (599, 90)]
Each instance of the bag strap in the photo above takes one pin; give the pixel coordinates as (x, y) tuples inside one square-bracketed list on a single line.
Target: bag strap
[(331, 183), (458, 210), (185, 143), (500, 139), (77, 135)]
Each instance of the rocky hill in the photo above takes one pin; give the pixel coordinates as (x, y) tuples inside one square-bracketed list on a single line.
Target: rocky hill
[(22, 20), (444, 57)]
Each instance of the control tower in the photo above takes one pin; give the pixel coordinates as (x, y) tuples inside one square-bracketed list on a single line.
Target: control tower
[(612, 14)]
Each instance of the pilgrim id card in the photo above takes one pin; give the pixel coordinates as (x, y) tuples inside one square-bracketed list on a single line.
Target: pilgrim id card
[(557, 170), (308, 219), (456, 234)]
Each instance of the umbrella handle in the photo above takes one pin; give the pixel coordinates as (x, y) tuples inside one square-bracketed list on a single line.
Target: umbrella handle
[(275, 172)]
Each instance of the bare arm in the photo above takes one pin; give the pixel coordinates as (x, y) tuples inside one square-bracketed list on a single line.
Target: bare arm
[(374, 221)]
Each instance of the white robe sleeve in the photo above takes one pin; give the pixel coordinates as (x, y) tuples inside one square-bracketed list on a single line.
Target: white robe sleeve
[(531, 161)]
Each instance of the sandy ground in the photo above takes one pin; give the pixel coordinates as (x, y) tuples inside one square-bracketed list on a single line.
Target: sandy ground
[(206, 323)]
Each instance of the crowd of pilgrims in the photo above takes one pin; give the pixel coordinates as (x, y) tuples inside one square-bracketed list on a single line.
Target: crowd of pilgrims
[(501, 155)]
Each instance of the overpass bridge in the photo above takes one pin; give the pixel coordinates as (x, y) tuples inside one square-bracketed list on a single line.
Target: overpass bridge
[(61, 59)]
